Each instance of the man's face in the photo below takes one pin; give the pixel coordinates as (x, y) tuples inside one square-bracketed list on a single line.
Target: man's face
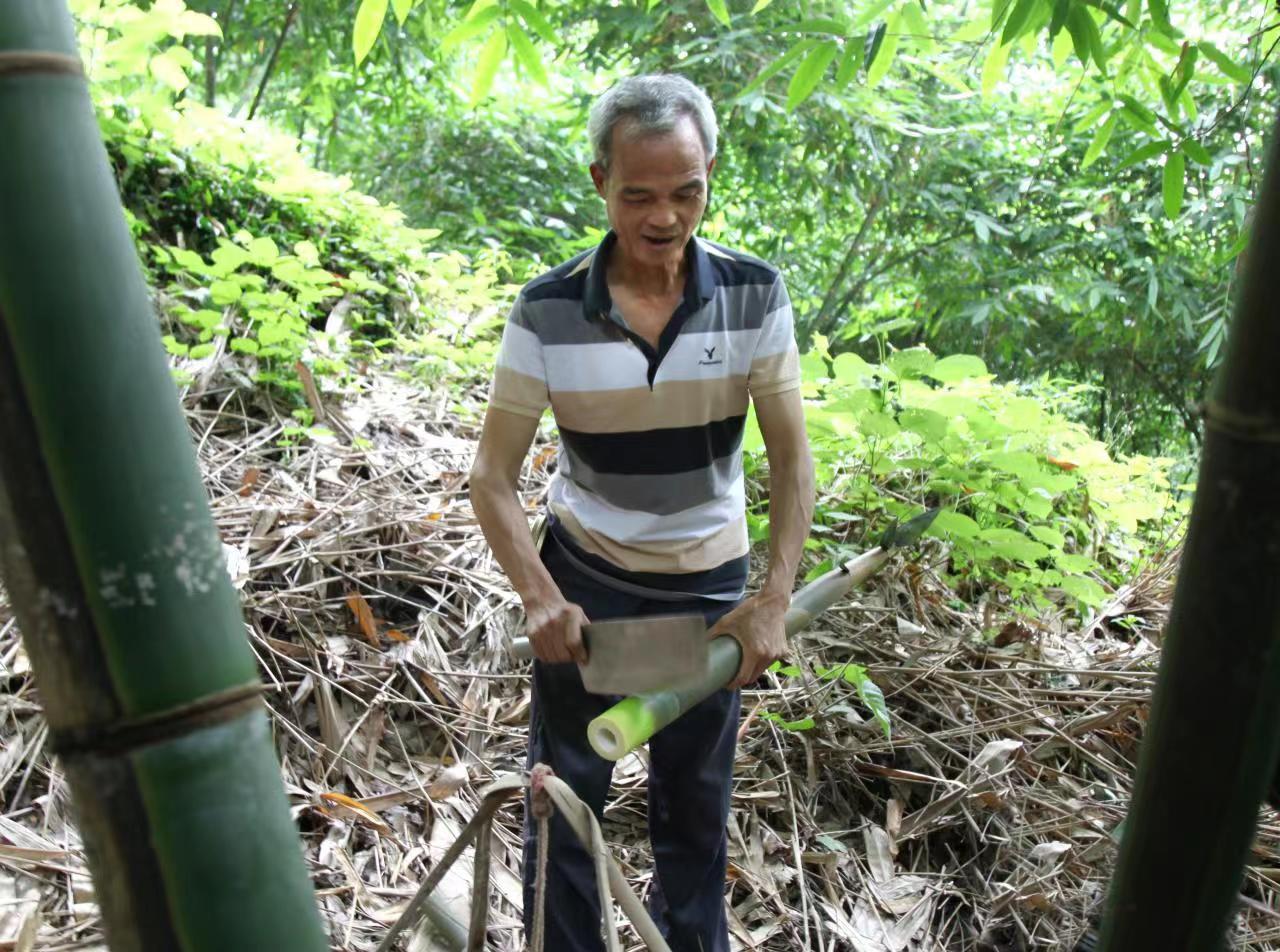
[(655, 191)]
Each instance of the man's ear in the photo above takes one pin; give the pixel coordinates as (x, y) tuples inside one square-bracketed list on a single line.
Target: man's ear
[(598, 177)]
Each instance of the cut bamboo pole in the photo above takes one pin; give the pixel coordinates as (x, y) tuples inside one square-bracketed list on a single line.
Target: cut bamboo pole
[(110, 554)]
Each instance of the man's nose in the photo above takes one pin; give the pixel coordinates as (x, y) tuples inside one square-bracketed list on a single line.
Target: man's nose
[(663, 216)]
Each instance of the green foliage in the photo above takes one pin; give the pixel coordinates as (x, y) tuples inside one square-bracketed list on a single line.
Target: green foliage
[(255, 253), (1036, 511)]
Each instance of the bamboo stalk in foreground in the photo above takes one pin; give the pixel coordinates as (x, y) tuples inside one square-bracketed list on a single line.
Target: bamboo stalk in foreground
[(1213, 738), (109, 551)]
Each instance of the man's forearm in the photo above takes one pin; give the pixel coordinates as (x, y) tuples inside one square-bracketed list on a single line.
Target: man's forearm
[(506, 529), (791, 494)]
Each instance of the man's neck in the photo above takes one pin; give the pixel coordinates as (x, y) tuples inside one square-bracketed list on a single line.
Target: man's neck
[(652, 282)]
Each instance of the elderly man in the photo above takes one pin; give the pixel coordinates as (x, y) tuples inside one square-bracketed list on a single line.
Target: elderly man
[(647, 349)]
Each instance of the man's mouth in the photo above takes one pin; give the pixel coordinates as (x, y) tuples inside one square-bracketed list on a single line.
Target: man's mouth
[(658, 242)]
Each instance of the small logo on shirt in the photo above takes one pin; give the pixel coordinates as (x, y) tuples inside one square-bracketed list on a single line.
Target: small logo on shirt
[(710, 361)]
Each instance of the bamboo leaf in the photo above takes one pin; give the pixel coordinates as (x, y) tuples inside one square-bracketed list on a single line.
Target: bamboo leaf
[(993, 67), (526, 54), (1143, 153), (821, 25), (870, 14), (879, 67), (1093, 116), (1194, 151), (535, 20), (720, 10), (1159, 10), (871, 47), (1061, 49), (1081, 27), (367, 27), (849, 62), (468, 29), (1096, 46), (402, 9), (1140, 111), (491, 56), (760, 5), (1229, 67), (810, 73), (1183, 71), (1019, 18), (916, 27), (1174, 184), (778, 65), (1100, 140), (1059, 19)]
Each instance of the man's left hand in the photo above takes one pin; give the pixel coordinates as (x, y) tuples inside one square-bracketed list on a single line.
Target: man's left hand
[(757, 625)]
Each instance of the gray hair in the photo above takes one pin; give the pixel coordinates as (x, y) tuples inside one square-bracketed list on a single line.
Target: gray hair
[(653, 104)]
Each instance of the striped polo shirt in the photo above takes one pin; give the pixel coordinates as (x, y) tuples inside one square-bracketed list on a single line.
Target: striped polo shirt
[(649, 477)]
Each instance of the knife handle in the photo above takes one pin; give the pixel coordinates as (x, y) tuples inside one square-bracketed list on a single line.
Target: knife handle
[(521, 648)]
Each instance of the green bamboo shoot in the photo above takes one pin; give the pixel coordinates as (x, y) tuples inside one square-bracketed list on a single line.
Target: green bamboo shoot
[(631, 722)]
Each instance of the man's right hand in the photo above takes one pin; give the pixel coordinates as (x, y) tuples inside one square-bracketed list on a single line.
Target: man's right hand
[(555, 631)]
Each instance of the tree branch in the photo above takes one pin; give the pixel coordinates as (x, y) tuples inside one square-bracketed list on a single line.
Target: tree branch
[(275, 54)]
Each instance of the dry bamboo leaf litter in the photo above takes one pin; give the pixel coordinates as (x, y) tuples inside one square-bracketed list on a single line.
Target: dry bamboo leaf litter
[(380, 621)]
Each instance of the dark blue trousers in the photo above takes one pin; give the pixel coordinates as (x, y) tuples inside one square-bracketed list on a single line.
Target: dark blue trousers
[(690, 774)]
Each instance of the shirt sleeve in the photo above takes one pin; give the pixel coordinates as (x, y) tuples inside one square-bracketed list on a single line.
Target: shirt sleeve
[(520, 377), (775, 365)]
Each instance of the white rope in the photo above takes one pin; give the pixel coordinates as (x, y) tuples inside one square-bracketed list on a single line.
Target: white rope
[(583, 822)]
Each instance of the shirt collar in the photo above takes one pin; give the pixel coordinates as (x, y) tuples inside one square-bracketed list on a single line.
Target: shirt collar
[(699, 284)]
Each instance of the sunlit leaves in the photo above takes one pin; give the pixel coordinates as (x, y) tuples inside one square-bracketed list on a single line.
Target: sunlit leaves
[(1159, 10), (806, 78), (534, 20), (1019, 20), (402, 9), (526, 54), (957, 367), (470, 28), (993, 68), (368, 25), (1100, 140), (491, 56), (1228, 66)]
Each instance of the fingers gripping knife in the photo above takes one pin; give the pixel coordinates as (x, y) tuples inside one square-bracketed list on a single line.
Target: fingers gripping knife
[(634, 655)]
